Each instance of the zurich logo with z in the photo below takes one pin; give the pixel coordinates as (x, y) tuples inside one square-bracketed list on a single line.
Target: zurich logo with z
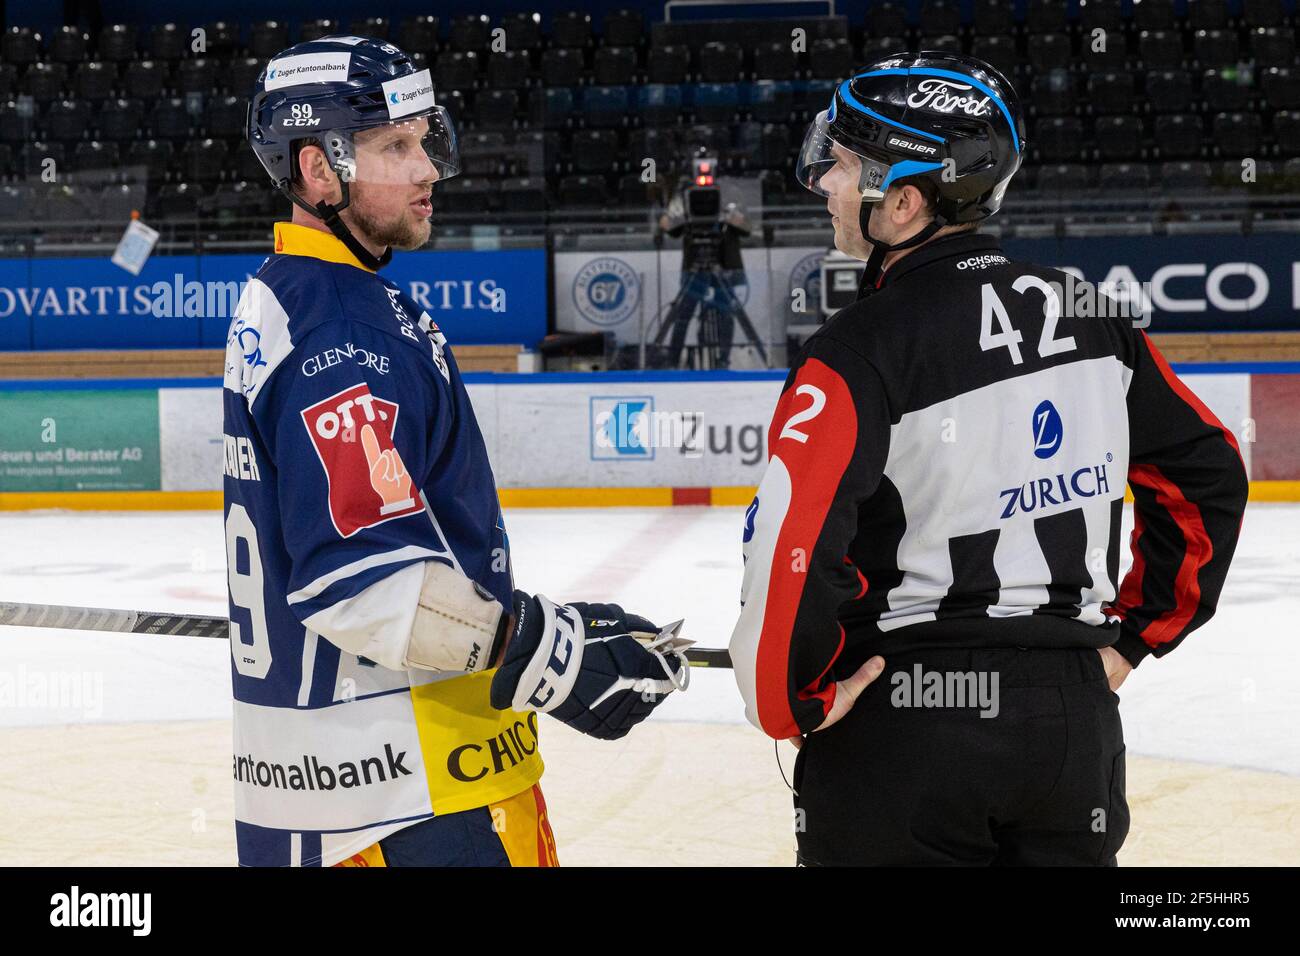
[(1048, 430)]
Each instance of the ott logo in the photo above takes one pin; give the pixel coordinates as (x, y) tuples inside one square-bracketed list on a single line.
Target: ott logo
[(352, 432)]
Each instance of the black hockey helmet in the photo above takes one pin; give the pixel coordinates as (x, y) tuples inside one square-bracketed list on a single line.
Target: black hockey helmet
[(952, 119)]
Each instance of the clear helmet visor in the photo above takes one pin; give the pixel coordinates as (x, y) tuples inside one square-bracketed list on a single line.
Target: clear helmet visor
[(824, 166), (418, 151)]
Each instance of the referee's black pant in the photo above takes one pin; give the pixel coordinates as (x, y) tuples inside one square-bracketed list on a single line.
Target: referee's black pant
[(1039, 784)]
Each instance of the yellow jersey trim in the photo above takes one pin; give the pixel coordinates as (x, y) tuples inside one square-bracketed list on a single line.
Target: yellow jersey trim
[(292, 239)]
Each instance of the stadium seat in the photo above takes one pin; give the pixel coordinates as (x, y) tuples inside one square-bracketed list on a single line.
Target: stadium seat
[(46, 82), (177, 201), (1058, 138), (624, 27), (246, 164), (118, 200), (523, 194), (632, 192), (1160, 49), (496, 109), (1112, 93), (1215, 48), (143, 79), (563, 67), (96, 156), (38, 153), (237, 200), (992, 17), (523, 31), (225, 116), (1178, 135), (1238, 134), (8, 80), (886, 19), (1169, 91), (69, 45), (1118, 138), (1119, 178), (1058, 178), (458, 70), (1286, 133), (67, 202), (418, 34), (715, 137), (1053, 93), (220, 37), (552, 107), (508, 69), (267, 38), (578, 192), (1262, 13), (1281, 86), (947, 43), (1045, 16), (774, 147), (94, 81), (571, 29), (939, 18), (469, 195), (1225, 90), (715, 102), (240, 76), (1272, 46), (775, 60), (1154, 15), (831, 59), (875, 48), (470, 32), (483, 153), (614, 65), (1111, 53), (204, 160), (119, 119), (117, 43), (771, 101), (1207, 14), (67, 121), (169, 119), (167, 42), (605, 106), (196, 75), (595, 150), (16, 124), (1100, 15), (151, 157), (659, 144), (997, 49), (721, 62), (1186, 175), (1048, 51), (669, 63), (20, 46)]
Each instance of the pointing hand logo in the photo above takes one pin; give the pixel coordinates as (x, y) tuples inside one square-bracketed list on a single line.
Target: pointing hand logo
[(387, 473)]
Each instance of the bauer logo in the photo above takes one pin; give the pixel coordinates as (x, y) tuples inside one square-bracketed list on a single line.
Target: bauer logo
[(352, 432), (409, 94), (307, 68), (1048, 430), (606, 291), (621, 428)]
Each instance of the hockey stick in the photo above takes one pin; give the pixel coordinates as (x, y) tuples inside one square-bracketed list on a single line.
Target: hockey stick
[(195, 625)]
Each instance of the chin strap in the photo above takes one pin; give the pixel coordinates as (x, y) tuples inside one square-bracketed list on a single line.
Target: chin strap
[(329, 214), (871, 275)]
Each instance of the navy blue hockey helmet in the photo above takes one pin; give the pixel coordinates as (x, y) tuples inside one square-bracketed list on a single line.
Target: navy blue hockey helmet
[(952, 119), (332, 89)]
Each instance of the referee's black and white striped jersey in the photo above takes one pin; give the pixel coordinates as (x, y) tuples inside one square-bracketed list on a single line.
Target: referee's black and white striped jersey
[(947, 467)]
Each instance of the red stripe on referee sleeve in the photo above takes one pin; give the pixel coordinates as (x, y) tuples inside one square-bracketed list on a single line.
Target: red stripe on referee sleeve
[(1197, 552), (1187, 395), (1130, 590), (815, 451)]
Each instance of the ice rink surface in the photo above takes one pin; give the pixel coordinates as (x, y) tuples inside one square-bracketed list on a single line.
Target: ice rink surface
[(1229, 697)]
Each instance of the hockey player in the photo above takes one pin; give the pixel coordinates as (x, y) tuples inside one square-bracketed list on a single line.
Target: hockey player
[(930, 609), (371, 591)]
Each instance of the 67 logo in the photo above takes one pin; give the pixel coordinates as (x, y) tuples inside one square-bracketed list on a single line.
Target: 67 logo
[(352, 432)]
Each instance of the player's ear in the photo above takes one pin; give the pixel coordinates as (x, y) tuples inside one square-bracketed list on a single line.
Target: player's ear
[(318, 178), (908, 203)]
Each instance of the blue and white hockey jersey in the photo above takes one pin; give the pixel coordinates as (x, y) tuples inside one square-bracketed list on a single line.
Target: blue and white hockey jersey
[(352, 457)]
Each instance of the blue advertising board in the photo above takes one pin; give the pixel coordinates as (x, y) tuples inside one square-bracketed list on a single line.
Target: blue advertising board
[(488, 297)]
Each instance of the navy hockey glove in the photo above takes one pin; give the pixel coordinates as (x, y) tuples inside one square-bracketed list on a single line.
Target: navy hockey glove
[(583, 664)]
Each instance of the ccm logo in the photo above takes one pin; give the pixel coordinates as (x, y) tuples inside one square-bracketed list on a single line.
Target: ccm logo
[(914, 147)]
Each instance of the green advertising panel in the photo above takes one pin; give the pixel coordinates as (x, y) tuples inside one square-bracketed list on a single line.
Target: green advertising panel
[(101, 440)]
